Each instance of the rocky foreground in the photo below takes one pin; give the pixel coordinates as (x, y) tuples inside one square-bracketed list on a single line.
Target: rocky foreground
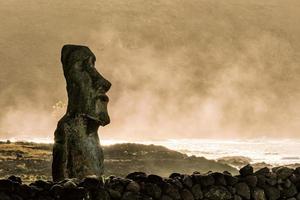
[(277, 183)]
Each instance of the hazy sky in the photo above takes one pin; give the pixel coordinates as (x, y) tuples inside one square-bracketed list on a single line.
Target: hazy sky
[(179, 68)]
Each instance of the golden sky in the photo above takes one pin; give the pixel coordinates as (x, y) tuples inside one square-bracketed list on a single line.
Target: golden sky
[(179, 68)]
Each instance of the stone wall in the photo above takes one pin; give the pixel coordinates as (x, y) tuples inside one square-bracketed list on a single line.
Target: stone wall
[(272, 184)]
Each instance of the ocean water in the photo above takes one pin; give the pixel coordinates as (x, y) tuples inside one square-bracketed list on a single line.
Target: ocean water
[(274, 152)]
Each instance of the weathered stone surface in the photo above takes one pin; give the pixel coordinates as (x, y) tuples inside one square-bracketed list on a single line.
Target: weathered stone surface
[(284, 172), (287, 183), (15, 179), (246, 170), (197, 192), (137, 176), (258, 194), (218, 193), (100, 194), (243, 190), (171, 190), (187, 181), (152, 178), (133, 187), (271, 178), (207, 180), (56, 190), (4, 196), (231, 189), (152, 190), (230, 180), (186, 195), (114, 194), (262, 171), (298, 196), (116, 184), (175, 175), (237, 197), (295, 178), (91, 183), (166, 197), (77, 151), (289, 192), (131, 196), (251, 180), (25, 191), (272, 193), (179, 187), (261, 180), (6, 186), (219, 178), (73, 193), (293, 198)]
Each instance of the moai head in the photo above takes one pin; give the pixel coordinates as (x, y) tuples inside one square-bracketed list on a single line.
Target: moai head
[(85, 86)]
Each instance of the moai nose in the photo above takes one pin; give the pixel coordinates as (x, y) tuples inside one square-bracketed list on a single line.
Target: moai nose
[(105, 84)]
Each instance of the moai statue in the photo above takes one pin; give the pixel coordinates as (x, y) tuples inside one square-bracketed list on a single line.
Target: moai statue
[(77, 151)]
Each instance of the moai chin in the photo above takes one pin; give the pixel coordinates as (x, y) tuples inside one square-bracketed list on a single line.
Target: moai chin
[(77, 151)]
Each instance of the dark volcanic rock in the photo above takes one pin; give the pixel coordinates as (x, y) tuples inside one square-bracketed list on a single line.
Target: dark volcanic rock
[(219, 178), (258, 194), (165, 197), (137, 176), (15, 179), (297, 170), (197, 192), (152, 178), (131, 196), (186, 195), (210, 186), (114, 194), (289, 192), (272, 193), (187, 181), (152, 190), (207, 180), (284, 172), (261, 180), (230, 180), (73, 193), (251, 180), (56, 190), (175, 175), (262, 171), (243, 190), (6, 186), (171, 190), (218, 193), (133, 187), (25, 191), (91, 183), (42, 184), (4, 196), (271, 179), (237, 197), (100, 194), (246, 170)]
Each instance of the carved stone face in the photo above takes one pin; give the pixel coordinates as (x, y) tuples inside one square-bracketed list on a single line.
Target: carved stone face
[(85, 85)]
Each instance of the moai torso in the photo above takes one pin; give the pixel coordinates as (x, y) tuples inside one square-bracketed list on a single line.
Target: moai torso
[(77, 151)]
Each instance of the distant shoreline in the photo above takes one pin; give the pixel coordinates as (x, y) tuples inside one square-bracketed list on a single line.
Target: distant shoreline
[(262, 151)]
